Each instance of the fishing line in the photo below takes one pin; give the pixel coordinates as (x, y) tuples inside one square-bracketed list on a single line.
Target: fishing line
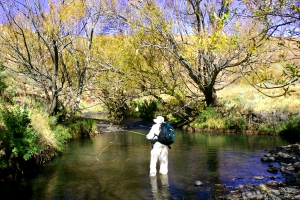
[(135, 132), (112, 142)]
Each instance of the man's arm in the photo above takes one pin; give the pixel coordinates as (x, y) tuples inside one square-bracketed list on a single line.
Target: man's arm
[(154, 131)]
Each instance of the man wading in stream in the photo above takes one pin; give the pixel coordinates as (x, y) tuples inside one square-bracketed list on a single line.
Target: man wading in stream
[(159, 151)]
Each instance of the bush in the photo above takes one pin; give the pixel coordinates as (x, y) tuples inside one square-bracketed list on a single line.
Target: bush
[(81, 127), (62, 135), (19, 139), (273, 125), (3, 84), (208, 113), (266, 128), (291, 129), (209, 119), (144, 109), (173, 119), (5, 94), (236, 122)]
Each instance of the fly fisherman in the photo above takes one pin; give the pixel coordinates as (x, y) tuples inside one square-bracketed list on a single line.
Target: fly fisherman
[(159, 151)]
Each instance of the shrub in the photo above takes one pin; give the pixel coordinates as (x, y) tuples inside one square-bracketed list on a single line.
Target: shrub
[(81, 127), (3, 84), (5, 94), (271, 125), (208, 113), (209, 119), (144, 109), (173, 119), (291, 128), (19, 139), (62, 135), (265, 128), (235, 121)]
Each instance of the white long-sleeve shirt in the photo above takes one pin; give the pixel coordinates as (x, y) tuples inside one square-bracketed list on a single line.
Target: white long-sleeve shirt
[(153, 132)]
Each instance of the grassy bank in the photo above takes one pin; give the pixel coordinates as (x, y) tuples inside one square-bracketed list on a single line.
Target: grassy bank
[(29, 138), (247, 98), (243, 109)]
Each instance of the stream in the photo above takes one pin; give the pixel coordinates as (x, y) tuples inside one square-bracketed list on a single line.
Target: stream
[(115, 165)]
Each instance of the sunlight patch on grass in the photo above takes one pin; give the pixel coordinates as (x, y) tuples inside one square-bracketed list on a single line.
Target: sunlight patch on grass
[(40, 124), (91, 107), (247, 97)]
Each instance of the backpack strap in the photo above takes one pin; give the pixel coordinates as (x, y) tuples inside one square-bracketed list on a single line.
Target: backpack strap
[(153, 141)]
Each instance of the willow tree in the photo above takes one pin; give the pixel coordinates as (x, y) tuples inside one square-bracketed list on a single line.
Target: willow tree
[(114, 84), (51, 43), (210, 43), (280, 20)]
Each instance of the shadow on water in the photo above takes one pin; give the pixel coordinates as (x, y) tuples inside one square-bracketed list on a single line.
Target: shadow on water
[(116, 166)]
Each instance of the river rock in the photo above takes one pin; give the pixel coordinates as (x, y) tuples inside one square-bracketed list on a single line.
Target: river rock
[(275, 192), (273, 170), (252, 195), (296, 165), (259, 177), (268, 159), (283, 116), (272, 183), (273, 197), (292, 190), (198, 183), (290, 168)]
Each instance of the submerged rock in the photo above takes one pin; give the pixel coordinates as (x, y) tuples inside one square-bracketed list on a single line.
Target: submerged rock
[(198, 183), (268, 159), (273, 170), (259, 177)]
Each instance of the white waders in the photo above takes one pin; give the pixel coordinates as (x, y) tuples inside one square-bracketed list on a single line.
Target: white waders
[(159, 152)]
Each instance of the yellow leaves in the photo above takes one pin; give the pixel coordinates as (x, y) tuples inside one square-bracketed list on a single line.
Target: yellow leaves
[(252, 46), (217, 41), (295, 8), (67, 13), (202, 42), (50, 24), (72, 12)]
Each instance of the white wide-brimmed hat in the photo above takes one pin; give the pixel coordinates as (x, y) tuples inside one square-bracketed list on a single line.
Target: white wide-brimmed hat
[(159, 120)]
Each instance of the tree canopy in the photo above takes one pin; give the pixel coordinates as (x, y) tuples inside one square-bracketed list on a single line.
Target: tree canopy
[(120, 50)]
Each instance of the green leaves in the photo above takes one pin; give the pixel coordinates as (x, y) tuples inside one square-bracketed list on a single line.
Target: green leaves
[(19, 138), (3, 76), (145, 109)]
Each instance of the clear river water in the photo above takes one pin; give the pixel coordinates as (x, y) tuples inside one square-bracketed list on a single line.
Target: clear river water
[(115, 165)]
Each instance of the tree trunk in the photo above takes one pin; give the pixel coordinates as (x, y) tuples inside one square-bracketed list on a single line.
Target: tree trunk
[(211, 98), (53, 107)]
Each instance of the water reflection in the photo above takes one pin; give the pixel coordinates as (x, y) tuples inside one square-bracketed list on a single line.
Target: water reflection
[(116, 166), (160, 192)]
